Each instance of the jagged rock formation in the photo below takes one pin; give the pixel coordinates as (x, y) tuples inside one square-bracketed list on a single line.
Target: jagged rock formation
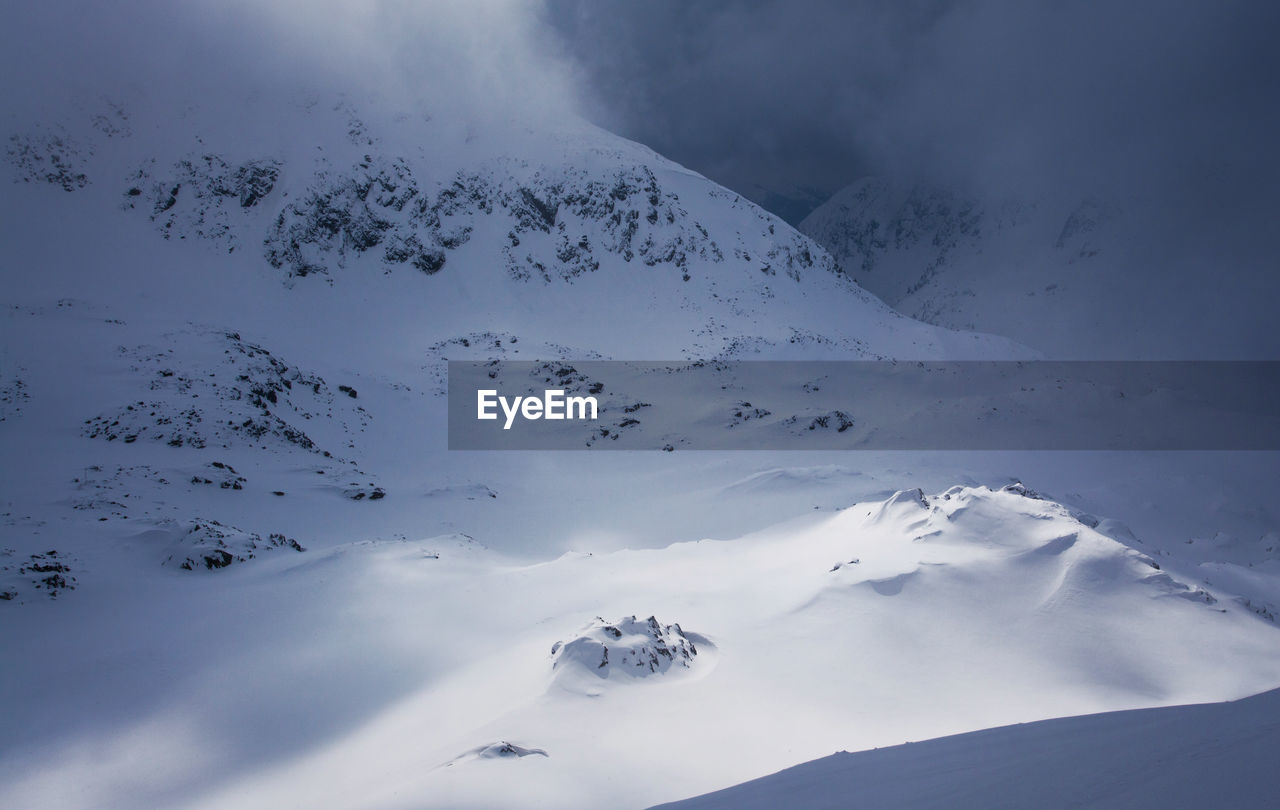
[(558, 219)]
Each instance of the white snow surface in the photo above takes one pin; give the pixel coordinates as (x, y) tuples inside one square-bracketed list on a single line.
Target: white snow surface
[(1216, 755), (909, 618), (367, 620)]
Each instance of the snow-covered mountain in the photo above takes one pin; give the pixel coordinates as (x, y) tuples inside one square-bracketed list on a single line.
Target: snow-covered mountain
[(1080, 277), (208, 299), (942, 256), (482, 225), (201, 306), (239, 567)]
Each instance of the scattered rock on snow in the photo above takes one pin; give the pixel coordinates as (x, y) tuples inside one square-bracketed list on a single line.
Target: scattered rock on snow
[(47, 572)]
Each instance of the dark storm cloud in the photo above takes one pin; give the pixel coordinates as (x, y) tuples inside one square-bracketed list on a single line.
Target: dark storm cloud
[(1163, 98), (757, 95)]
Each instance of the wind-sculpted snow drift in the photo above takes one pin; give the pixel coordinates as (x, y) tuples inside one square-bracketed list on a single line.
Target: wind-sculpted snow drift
[(1213, 755), (498, 750), (915, 616)]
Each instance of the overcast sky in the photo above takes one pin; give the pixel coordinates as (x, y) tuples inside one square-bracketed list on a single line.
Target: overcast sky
[(795, 96)]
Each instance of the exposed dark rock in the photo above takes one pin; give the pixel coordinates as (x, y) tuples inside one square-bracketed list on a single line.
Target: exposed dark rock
[(209, 545), (49, 158)]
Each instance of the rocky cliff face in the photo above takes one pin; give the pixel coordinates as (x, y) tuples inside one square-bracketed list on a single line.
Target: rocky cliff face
[(405, 204)]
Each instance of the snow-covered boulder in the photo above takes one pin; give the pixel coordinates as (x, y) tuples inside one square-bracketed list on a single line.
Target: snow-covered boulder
[(500, 750), (631, 648)]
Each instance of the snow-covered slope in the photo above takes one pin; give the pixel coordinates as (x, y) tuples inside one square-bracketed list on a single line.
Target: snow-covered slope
[(1216, 755), (908, 618), (1080, 277), (1017, 267), (273, 289)]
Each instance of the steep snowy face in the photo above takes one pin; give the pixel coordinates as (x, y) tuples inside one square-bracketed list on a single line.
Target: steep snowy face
[(1055, 275), (331, 192), (560, 219), (865, 222)]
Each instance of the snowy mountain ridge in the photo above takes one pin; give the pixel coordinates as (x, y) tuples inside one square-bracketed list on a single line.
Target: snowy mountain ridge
[(364, 191)]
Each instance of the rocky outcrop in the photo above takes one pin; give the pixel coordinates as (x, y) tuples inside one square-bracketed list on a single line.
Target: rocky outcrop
[(207, 545), (629, 647)]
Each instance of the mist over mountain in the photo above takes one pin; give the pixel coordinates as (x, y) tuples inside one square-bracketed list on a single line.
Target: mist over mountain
[(240, 565), (1091, 277), (1161, 110)]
